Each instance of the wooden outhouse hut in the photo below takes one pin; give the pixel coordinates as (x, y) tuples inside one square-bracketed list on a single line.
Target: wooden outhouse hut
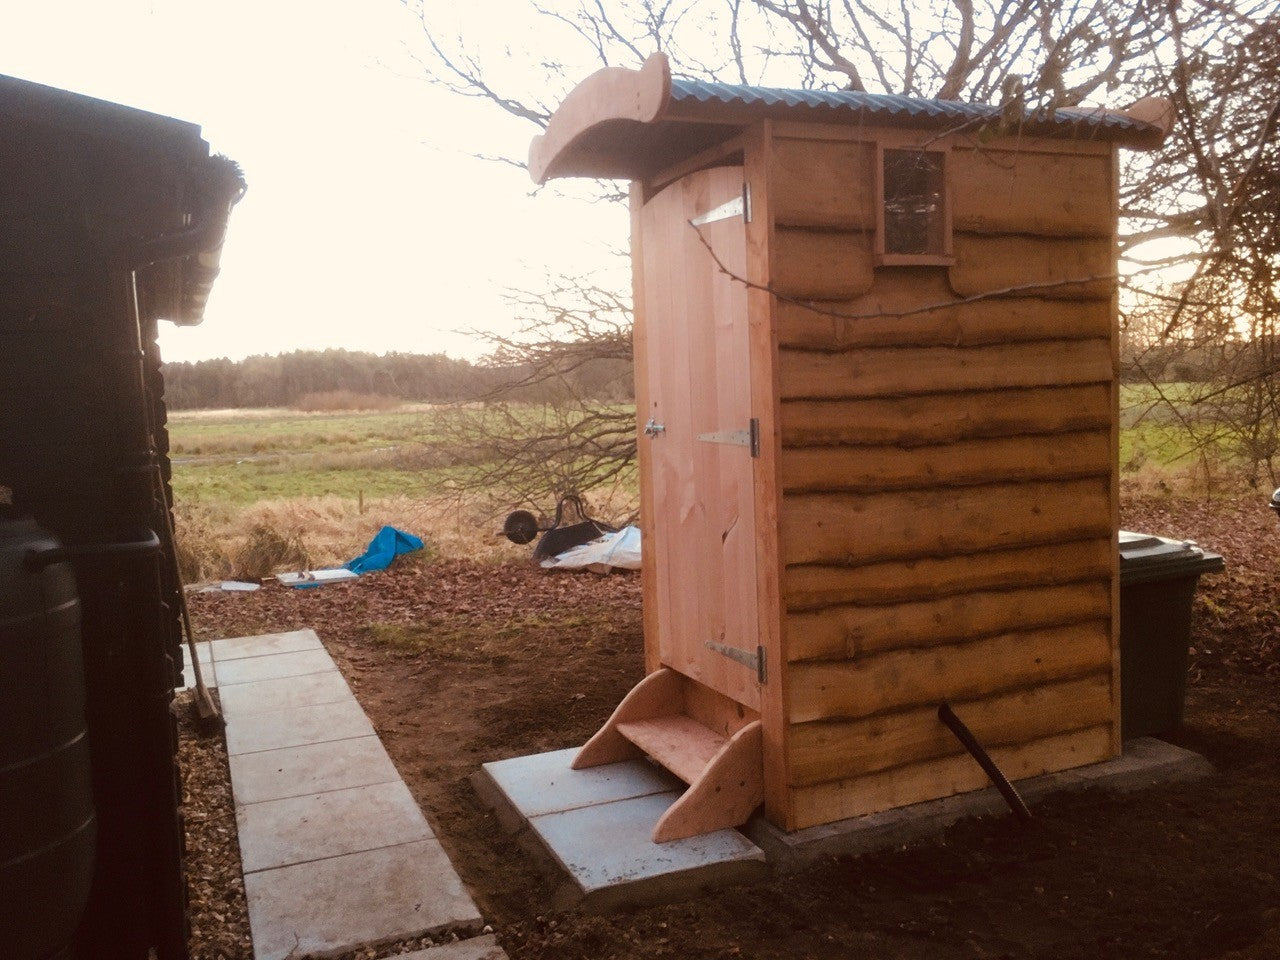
[(875, 349)]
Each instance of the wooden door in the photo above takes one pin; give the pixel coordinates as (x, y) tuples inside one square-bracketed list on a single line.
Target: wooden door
[(701, 532)]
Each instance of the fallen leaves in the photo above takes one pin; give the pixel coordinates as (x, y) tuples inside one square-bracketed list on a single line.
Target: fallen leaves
[(1236, 623)]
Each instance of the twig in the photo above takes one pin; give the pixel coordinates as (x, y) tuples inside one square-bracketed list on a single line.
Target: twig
[(876, 314)]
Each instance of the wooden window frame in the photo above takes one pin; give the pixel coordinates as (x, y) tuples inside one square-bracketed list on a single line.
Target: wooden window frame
[(884, 259)]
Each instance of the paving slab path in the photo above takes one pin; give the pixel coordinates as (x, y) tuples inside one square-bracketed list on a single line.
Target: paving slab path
[(336, 853)]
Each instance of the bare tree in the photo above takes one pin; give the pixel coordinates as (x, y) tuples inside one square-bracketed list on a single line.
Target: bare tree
[(1207, 204), (560, 420)]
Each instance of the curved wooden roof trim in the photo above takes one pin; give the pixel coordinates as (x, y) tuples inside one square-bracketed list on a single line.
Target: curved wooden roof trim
[(1157, 111), (614, 93)]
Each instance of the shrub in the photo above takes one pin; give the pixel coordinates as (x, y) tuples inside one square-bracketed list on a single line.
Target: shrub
[(201, 551), (268, 549)]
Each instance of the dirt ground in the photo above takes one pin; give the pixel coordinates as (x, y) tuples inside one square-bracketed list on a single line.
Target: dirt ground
[(459, 663)]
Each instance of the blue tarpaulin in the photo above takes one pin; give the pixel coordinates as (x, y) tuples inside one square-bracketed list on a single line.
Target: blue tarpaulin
[(387, 544)]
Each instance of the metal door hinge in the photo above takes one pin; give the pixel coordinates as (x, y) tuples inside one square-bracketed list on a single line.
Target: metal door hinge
[(749, 438), (738, 655), (737, 207)]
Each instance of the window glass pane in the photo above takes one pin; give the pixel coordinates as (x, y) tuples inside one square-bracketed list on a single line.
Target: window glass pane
[(913, 211)]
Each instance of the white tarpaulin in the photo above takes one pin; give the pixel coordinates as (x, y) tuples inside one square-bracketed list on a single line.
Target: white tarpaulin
[(302, 579), (619, 550)]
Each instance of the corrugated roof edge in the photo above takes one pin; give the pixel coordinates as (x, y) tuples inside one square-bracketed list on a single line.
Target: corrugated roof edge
[(631, 101), (1098, 122)]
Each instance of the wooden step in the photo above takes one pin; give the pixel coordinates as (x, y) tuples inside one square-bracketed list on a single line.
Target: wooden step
[(725, 774), (677, 742)]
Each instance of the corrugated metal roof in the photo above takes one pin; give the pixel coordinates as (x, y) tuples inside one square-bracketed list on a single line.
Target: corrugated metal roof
[(913, 111)]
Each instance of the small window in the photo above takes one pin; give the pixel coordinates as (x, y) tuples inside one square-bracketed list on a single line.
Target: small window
[(915, 223)]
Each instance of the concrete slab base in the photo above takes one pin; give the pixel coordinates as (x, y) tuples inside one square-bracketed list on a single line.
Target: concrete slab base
[(594, 827), (1145, 763), (478, 948)]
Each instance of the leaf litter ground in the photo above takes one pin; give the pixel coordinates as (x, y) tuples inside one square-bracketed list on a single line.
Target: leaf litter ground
[(458, 663)]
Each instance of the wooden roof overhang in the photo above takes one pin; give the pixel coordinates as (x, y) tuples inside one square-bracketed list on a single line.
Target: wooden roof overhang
[(212, 185), (630, 124)]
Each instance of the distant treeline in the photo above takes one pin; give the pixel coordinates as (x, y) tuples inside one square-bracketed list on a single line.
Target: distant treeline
[(281, 381)]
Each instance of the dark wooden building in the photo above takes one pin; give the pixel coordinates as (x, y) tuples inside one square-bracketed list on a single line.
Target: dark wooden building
[(111, 220)]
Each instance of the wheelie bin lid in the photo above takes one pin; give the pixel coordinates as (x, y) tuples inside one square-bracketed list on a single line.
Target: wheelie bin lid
[(1145, 557)]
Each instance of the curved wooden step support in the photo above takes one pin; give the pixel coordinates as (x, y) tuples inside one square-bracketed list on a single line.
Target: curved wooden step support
[(729, 788), (657, 695)]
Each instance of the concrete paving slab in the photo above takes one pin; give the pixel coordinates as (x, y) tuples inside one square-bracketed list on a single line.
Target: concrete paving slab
[(277, 833), (477, 948), (206, 664), (609, 857), (273, 667), (296, 726), (264, 696), (203, 650), (1144, 763), (265, 644), (314, 768), (545, 783), (368, 898)]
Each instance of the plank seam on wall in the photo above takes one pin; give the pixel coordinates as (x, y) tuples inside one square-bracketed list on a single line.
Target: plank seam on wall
[(949, 442), (922, 336), (946, 745), (878, 371), (910, 524), (940, 594), (930, 443), (950, 348), (820, 263), (869, 468), (945, 417), (857, 796), (817, 678), (863, 661), (944, 554), (819, 586), (1068, 727), (1060, 268), (1102, 670), (1029, 592)]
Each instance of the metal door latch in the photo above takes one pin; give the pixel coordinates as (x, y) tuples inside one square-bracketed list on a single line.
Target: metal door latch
[(738, 655), (653, 428)]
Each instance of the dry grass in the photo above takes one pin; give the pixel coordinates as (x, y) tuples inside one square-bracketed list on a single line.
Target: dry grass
[(329, 400), (1208, 475), (272, 536)]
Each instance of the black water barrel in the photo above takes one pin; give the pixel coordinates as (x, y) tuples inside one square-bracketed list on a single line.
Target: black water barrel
[(47, 828)]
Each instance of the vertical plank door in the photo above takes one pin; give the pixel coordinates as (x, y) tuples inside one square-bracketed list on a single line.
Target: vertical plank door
[(701, 536)]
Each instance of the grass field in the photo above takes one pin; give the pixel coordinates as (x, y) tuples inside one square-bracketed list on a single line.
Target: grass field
[(259, 490), (263, 488)]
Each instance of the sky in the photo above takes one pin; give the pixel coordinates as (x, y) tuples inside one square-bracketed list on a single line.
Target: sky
[(368, 224)]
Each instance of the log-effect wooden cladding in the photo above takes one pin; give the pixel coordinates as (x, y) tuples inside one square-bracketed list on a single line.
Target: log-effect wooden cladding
[(948, 475)]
